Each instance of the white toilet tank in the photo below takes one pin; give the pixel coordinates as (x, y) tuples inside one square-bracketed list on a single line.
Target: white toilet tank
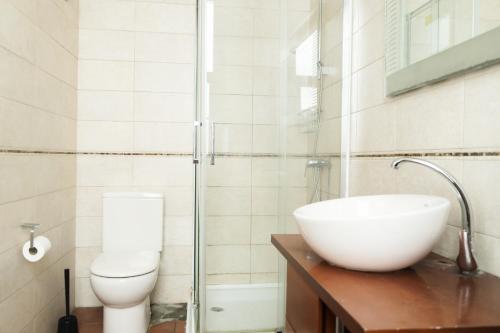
[(132, 221)]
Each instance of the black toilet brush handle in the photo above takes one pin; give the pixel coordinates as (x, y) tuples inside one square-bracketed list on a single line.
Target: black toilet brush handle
[(66, 289)]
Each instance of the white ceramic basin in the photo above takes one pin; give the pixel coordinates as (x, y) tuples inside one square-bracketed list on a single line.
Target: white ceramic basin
[(374, 233)]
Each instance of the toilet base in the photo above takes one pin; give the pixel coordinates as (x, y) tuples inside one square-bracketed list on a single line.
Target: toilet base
[(134, 319)]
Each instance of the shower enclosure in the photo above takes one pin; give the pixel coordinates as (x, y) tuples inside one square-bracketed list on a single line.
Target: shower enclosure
[(267, 140)]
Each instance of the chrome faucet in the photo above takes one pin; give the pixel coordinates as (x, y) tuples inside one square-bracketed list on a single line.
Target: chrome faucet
[(465, 260)]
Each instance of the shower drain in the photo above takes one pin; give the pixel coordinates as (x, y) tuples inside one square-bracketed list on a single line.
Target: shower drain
[(216, 309)]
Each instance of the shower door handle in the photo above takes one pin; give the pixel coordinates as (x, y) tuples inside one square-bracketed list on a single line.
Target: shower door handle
[(212, 144), (196, 128)]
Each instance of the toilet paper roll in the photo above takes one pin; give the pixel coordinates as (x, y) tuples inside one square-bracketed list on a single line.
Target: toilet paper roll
[(41, 246)]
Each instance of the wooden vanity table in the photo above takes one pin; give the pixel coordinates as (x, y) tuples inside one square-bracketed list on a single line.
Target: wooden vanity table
[(428, 297)]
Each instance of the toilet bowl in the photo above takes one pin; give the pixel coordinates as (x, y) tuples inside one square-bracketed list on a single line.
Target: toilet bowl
[(125, 273), (123, 283)]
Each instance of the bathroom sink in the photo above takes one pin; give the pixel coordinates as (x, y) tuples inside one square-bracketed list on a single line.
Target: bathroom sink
[(374, 233)]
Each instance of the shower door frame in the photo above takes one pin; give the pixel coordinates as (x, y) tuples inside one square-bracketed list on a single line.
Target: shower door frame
[(199, 131)]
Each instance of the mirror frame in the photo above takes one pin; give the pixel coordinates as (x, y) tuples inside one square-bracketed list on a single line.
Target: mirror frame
[(476, 53)]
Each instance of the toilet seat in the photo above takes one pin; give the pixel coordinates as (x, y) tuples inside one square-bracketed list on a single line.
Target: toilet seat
[(125, 264)]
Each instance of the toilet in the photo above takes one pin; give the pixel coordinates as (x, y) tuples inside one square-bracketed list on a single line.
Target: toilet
[(124, 274)]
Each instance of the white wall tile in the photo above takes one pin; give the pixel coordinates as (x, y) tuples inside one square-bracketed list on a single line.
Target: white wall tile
[(163, 137), (264, 259), (104, 170), (164, 107), (231, 80), (164, 47), (265, 139), (233, 51), (230, 172), (228, 201), (164, 77), (106, 45), (162, 171), (105, 136), (233, 21), (105, 105), (231, 109), (107, 15), (228, 230), (228, 259), (233, 138), (105, 75), (264, 201), (161, 17)]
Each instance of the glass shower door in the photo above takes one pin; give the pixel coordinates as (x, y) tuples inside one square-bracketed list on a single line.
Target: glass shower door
[(239, 83), (269, 89)]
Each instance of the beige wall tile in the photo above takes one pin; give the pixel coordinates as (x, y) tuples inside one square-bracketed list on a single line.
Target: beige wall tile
[(107, 15), (105, 105), (161, 171), (233, 21), (229, 171), (228, 259), (176, 260), (105, 136), (231, 109), (164, 77), (265, 171), (444, 105), (178, 230), (163, 107), (264, 259), (264, 201), (479, 177), (233, 51), (265, 110), (231, 138), (163, 137), (368, 42), (228, 230), (172, 289), (265, 139), (161, 17), (231, 80), (85, 296), (481, 127), (262, 229), (228, 201), (104, 170), (367, 126), (106, 45), (105, 75), (488, 253), (164, 47)]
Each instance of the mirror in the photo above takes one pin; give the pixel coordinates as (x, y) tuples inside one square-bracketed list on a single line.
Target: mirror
[(431, 40)]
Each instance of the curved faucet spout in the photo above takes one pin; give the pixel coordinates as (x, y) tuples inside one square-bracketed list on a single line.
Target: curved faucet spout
[(465, 259)]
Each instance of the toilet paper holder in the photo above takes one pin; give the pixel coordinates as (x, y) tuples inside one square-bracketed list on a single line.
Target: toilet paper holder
[(31, 227)]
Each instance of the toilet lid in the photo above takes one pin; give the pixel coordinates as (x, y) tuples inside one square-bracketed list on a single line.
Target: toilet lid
[(123, 264)]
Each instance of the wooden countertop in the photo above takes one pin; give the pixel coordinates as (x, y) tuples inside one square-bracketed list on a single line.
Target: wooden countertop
[(429, 296)]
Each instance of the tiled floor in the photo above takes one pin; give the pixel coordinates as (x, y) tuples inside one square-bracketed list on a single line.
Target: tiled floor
[(90, 321)]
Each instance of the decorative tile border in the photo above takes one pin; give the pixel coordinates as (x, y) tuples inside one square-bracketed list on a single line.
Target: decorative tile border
[(167, 154), (428, 154), (485, 153)]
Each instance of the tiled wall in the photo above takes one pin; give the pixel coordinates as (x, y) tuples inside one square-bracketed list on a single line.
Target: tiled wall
[(298, 128), (38, 79), (454, 116), (136, 100)]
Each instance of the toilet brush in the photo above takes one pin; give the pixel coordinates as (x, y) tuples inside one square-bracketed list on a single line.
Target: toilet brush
[(68, 323)]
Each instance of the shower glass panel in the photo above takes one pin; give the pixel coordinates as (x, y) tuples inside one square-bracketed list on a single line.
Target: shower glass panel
[(269, 85)]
